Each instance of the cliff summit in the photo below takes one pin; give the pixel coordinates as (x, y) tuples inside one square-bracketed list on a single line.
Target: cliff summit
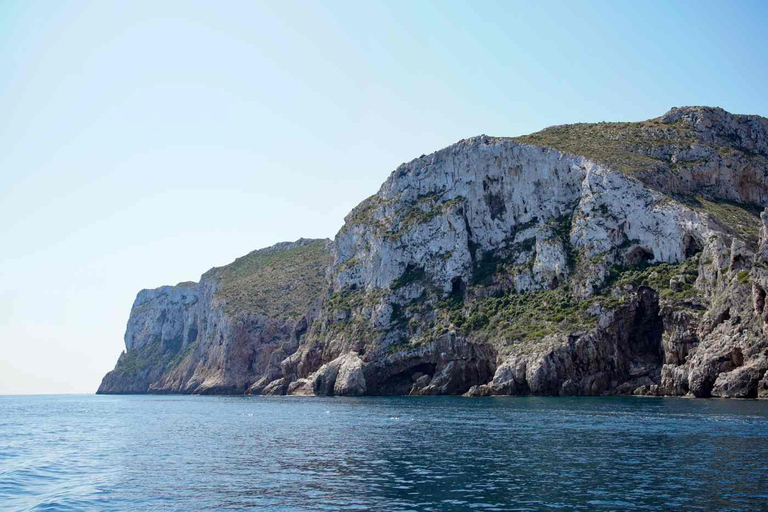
[(584, 259)]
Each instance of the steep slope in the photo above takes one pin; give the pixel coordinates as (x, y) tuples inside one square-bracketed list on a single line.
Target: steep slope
[(584, 259), (222, 334), (497, 266), (689, 150)]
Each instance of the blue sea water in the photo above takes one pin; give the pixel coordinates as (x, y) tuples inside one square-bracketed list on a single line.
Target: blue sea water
[(420, 453)]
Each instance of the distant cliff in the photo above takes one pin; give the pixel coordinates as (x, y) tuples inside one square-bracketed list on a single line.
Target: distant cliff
[(587, 259), (222, 334)]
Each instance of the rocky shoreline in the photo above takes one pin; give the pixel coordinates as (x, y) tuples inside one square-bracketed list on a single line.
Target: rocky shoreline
[(602, 259)]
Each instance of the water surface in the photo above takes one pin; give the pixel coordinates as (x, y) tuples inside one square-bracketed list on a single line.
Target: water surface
[(419, 453)]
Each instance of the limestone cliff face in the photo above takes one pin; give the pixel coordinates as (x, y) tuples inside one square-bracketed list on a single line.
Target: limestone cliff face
[(166, 315), (163, 322), (494, 198), (221, 335), (585, 259)]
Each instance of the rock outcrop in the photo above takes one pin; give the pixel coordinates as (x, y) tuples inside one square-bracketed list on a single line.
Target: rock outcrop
[(222, 335), (612, 258)]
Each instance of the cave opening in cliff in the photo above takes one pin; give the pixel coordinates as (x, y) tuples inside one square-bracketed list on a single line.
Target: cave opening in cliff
[(192, 334), (647, 329), (639, 255), (739, 263), (691, 246), (725, 315), (401, 383), (458, 287)]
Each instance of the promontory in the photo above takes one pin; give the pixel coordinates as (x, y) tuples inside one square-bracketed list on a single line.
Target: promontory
[(585, 259)]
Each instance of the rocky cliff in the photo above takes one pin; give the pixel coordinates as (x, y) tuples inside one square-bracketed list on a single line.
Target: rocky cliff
[(608, 258), (232, 328)]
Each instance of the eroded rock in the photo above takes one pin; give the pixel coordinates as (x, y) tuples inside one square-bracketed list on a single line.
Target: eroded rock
[(499, 266)]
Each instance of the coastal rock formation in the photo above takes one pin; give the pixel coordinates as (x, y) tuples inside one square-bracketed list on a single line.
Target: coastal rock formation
[(222, 335), (589, 259)]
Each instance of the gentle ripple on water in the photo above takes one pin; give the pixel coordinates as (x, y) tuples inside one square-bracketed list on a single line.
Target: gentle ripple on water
[(439, 453)]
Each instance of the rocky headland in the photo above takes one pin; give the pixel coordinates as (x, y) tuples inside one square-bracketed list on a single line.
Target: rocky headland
[(585, 259)]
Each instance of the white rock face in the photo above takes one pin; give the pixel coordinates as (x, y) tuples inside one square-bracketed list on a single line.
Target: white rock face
[(342, 376), (442, 213), (350, 379), (550, 266), (213, 349), (167, 314), (418, 290)]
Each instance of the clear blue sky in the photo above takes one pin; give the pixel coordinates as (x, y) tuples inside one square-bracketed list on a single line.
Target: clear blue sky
[(142, 143)]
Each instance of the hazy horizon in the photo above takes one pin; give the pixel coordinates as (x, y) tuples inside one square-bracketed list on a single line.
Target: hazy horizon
[(144, 143)]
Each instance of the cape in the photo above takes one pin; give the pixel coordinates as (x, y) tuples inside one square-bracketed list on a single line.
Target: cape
[(585, 259)]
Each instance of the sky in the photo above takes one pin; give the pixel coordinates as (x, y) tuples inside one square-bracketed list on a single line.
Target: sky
[(143, 142)]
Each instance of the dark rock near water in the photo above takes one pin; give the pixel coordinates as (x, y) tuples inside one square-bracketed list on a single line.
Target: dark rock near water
[(589, 259)]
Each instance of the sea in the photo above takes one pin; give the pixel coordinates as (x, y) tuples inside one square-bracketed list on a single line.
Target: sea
[(142, 452)]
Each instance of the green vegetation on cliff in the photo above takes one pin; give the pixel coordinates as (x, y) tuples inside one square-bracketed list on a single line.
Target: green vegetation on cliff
[(742, 220), (626, 147), (522, 320), (408, 214), (655, 148), (279, 282), (138, 359)]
